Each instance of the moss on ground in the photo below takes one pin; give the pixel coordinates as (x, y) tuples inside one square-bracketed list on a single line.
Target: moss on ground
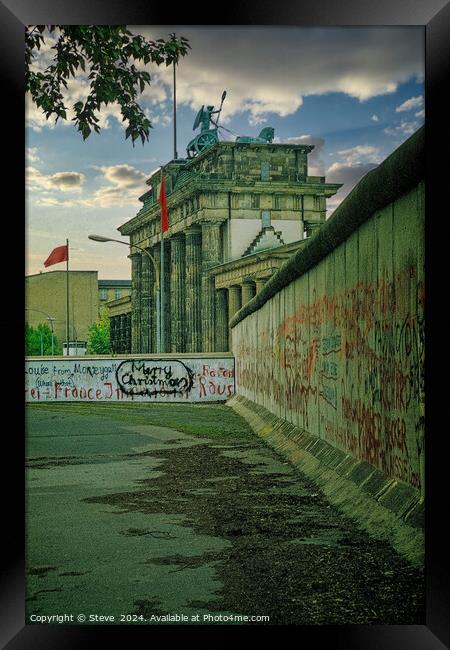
[(215, 421)]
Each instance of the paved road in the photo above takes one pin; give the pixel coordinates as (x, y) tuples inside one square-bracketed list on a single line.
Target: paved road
[(148, 511)]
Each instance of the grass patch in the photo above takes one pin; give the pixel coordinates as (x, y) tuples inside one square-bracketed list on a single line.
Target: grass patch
[(215, 421)]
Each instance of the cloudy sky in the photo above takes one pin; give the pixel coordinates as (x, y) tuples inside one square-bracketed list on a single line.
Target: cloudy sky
[(355, 93)]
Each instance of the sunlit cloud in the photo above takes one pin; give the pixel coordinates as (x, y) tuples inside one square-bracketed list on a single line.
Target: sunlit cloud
[(409, 104), (64, 181)]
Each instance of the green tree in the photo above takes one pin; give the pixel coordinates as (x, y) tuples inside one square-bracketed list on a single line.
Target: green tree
[(98, 336), (106, 54), (38, 341)]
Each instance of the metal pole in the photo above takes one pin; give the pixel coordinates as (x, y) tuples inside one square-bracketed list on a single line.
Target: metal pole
[(175, 154), (53, 348), (161, 287), (158, 321), (67, 298), (149, 317)]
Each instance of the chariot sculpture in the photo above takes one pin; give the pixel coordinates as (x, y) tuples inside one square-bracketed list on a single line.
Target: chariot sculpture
[(209, 136)]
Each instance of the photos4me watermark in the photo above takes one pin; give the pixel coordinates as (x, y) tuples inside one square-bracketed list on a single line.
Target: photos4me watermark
[(154, 618), (234, 618)]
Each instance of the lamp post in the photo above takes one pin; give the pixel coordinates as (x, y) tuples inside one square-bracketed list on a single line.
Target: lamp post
[(159, 346), (51, 319)]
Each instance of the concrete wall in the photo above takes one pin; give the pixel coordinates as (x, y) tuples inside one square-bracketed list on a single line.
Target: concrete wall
[(338, 351), (174, 378)]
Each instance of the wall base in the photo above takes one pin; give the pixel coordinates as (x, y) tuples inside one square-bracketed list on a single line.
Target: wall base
[(387, 509)]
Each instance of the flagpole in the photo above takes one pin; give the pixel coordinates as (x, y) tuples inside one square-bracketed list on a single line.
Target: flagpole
[(161, 295), (67, 297), (175, 154)]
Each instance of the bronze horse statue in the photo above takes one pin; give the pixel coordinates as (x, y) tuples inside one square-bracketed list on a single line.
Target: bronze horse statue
[(265, 137)]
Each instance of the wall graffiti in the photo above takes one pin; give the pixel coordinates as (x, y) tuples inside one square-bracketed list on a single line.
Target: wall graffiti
[(154, 377), (132, 379), (344, 357)]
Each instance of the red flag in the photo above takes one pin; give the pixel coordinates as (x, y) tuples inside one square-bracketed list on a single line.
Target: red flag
[(163, 202), (58, 254)]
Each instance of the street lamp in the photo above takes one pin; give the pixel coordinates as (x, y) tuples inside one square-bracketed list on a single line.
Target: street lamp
[(51, 319), (159, 309)]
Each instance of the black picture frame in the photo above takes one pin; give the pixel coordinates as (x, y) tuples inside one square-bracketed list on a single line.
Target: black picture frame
[(434, 16)]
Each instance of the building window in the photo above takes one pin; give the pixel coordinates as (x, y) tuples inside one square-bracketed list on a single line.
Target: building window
[(103, 294), (265, 171), (277, 201), (255, 200), (265, 219), (235, 201), (118, 293)]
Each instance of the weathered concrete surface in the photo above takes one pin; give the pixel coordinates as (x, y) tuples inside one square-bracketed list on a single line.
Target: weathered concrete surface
[(334, 344), (387, 509), (166, 378), (147, 510)]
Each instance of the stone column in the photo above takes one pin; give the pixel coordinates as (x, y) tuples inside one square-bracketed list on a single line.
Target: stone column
[(145, 304), (234, 304), (193, 268), (211, 255), (222, 334), (248, 291), (122, 334), (136, 277), (112, 334), (118, 335), (167, 320), (151, 304), (177, 293), (234, 300), (259, 283), (156, 253), (127, 343)]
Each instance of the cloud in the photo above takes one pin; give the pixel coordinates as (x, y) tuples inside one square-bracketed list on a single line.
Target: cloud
[(409, 104), (264, 69), (354, 163), (362, 153), (420, 114), (63, 181), (51, 202), (375, 118), (113, 197), (31, 153), (404, 128), (122, 185), (349, 175), (67, 181), (123, 176)]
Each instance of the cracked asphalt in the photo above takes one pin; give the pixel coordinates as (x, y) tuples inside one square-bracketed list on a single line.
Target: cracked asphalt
[(139, 513)]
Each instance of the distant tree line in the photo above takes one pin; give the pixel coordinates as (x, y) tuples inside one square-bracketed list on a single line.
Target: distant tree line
[(38, 341)]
